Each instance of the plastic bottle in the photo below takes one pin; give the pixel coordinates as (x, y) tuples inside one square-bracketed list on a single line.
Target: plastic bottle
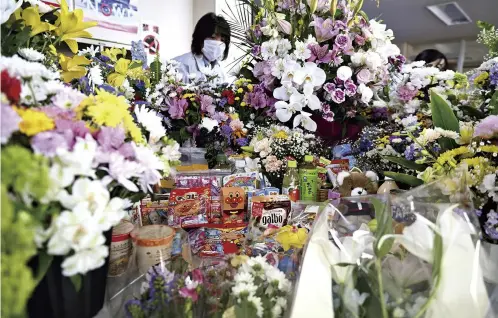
[(290, 185), (308, 180), (222, 162), (388, 185)]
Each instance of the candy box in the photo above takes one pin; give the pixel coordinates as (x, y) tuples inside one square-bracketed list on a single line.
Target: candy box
[(248, 181), (270, 211), (233, 205), (189, 207), (217, 241)]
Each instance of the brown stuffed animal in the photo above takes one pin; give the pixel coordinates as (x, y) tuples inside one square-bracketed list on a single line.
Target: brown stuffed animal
[(356, 183)]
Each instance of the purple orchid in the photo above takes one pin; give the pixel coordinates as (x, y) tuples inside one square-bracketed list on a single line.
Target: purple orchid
[(207, 104), (324, 29), (320, 54), (177, 108), (194, 130)]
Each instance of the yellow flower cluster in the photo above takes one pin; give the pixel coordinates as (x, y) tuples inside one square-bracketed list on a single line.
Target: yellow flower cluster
[(34, 122), (280, 135), (449, 156), (481, 79), (106, 109), (188, 95)]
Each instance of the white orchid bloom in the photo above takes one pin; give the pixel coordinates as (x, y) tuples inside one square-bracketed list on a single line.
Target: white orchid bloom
[(289, 72), (310, 99), (284, 110), (310, 75), (304, 119), (285, 91)]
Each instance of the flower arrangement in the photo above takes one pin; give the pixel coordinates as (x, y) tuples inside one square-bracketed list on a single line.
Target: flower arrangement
[(240, 287), (274, 145), (321, 57), (71, 163)]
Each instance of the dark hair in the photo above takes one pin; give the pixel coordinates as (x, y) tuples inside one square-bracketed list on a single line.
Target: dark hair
[(207, 26), (432, 55)]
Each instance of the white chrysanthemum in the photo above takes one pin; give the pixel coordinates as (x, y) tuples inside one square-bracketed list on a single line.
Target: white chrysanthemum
[(302, 52), (91, 50), (18, 67), (244, 288), (257, 303), (243, 277), (409, 121), (151, 164), (95, 76), (31, 54), (151, 122), (427, 136), (172, 152), (447, 133)]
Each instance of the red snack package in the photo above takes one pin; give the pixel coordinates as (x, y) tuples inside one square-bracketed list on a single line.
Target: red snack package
[(189, 207)]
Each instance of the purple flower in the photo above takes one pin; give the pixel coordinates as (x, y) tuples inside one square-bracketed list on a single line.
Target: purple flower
[(256, 50), (58, 113), (338, 96), (487, 128), (406, 94), (398, 61), (194, 130), (226, 131), (10, 121), (107, 88), (324, 29), (207, 104), (320, 54), (329, 87), (493, 75), (47, 143), (380, 112), (189, 293), (219, 117), (197, 276), (491, 225), (350, 87), (364, 76), (242, 142), (343, 42), (127, 150), (85, 86), (78, 128), (411, 152), (110, 138), (258, 98), (177, 108), (359, 40)]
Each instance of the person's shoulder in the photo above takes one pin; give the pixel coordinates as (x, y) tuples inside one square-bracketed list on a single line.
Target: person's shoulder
[(184, 57)]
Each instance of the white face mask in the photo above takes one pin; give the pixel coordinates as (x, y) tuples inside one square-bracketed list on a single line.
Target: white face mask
[(213, 50)]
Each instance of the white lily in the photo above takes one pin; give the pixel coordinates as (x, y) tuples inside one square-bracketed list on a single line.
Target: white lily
[(85, 261), (310, 75), (284, 110), (87, 191), (304, 119), (150, 165), (458, 295)]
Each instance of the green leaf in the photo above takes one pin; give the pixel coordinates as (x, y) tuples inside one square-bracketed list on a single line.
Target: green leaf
[(494, 104), (384, 226), (44, 261), (406, 163), (76, 280), (245, 310), (443, 117), (135, 64), (404, 178)]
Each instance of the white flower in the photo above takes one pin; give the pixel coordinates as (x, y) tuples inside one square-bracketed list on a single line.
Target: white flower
[(366, 93), (358, 58), (151, 165), (304, 119), (66, 97), (269, 48), (302, 52), (7, 8), (344, 73), (151, 122), (285, 91), (90, 50), (427, 136), (289, 72), (412, 106), (257, 303), (113, 213), (373, 60), (243, 277), (60, 177), (275, 275), (95, 76), (447, 133), (85, 261), (310, 74), (284, 110), (123, 170), (244, 288), (172, 152), (310, 40), (269, 31), (126, 88), (80, 160), (209, 123), (283, 47), (409, 121), (31, 54), (85, 190), (42, 7), (18, 67), (262, 147)]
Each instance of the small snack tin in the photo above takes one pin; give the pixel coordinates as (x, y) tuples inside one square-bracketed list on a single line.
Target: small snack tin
[(121, 249)]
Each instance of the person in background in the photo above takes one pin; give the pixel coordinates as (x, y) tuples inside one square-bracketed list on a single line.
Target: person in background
[(210, 45), (433, 58)]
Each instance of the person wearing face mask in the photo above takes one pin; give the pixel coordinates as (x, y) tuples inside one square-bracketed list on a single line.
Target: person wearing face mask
[(210, 44), (433, 58)]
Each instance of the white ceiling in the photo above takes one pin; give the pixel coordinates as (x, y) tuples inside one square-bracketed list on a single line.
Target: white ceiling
[(414, 24)]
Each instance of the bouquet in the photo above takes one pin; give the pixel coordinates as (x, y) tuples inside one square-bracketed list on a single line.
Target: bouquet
[(321, 57), (240, 287), (272, 147)]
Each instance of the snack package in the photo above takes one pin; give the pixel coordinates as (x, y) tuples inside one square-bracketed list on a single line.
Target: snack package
[(233, 205), (217, 241), (270, 211), (248, 181), (272, 191), (153, 212), (189, 207), (216, 216)]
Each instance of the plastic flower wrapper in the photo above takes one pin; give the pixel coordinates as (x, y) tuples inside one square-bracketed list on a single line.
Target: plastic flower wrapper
[(382, 266)]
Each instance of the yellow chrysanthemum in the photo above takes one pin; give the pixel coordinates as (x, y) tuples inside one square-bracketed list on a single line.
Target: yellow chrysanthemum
[(280, 135), (250, 87), (106, 109), (243, 104), (481, 79), (449, 156), (188, 95), (34, 122), (489, 148), (240, 90)]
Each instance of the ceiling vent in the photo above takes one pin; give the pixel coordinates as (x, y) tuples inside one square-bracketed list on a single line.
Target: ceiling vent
[(450, 13)]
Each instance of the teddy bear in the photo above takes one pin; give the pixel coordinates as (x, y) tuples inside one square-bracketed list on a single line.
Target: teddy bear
[(354, 183)]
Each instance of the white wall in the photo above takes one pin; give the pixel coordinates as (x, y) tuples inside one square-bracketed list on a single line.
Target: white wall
[(175, 21), (201, 7)]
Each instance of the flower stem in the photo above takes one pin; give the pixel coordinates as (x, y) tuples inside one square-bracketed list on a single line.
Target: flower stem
[(378, 267)]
